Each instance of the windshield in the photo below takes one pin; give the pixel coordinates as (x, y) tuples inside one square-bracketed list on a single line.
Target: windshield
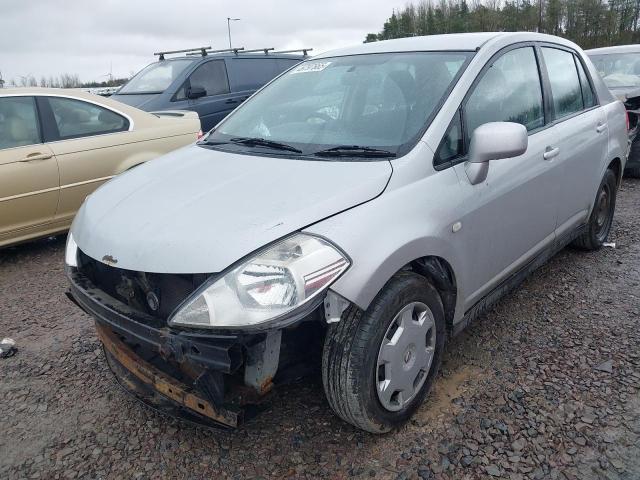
[(155, 78), (618, 69), (379, 103)]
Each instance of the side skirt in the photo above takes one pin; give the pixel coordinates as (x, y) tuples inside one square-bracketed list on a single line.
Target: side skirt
[(515, 279)]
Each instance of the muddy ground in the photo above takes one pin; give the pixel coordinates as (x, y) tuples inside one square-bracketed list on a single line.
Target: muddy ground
[(545, 385)]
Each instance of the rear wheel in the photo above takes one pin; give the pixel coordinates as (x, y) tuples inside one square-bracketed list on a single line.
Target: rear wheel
[(634, 157), (601, 218), (379, 364)]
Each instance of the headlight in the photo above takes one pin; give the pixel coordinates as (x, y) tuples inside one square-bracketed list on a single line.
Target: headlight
[(71, 252), (269, 285)]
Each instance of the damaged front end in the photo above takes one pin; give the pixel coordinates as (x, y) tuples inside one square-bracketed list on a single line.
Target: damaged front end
[(210, 376)]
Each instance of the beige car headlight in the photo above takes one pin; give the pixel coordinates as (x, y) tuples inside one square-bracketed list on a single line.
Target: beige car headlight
[(270, 285)]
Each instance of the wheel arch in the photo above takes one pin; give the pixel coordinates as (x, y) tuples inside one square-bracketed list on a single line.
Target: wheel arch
[(362, 285), (616, 166), (439, 272)]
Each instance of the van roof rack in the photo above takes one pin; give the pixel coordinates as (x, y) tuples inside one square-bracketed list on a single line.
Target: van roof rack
[(202, 50), (303, 50), (265, 50), (235, 50)]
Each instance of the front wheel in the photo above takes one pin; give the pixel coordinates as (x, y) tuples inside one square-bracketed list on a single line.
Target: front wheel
[(601, 217), (379, 364)]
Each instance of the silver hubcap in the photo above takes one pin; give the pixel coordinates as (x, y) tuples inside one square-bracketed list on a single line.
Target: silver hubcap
[(405, 356)]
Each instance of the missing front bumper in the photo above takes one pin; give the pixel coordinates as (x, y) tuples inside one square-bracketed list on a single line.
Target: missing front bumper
[(208, 377), (145, 381)]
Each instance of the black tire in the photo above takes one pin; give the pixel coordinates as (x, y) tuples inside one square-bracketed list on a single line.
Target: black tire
[(350, 355), (634, 157), (601, 217), (633, 172)]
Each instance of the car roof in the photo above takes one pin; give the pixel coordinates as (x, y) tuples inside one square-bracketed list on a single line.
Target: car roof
[(445, 42), (76, 93), (616, 49), (66, 92)]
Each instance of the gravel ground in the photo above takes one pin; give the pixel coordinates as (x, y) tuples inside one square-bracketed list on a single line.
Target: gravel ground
[(545, 385)]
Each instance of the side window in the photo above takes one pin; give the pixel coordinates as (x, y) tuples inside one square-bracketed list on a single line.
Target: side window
[(252, 73), (212, 76), (283, 64), (588, 97), (451, 145), (18, 122), (563, 77), (75, 118), (509, 91)]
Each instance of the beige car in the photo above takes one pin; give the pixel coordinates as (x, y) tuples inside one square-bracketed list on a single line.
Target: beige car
[(58, 146)]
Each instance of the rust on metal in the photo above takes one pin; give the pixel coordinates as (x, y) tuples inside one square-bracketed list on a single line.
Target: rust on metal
[(161, 382)]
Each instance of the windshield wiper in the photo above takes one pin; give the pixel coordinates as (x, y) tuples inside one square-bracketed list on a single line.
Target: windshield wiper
[(262, 142), (354, 151)]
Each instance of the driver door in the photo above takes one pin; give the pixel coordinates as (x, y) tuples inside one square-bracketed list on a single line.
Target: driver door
[(510, 217), (217, 102)]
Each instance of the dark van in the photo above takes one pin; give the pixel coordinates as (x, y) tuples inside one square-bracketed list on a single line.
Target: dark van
[(209, 82)]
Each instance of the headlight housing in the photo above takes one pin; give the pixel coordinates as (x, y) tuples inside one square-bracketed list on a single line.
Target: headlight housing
[(71, 251), (271, 284)]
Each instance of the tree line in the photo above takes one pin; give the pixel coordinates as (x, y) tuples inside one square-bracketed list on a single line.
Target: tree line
[(589, 23), (66, 80)]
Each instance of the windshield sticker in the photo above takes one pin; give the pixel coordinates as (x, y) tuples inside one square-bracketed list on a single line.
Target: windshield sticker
[(311, 67)]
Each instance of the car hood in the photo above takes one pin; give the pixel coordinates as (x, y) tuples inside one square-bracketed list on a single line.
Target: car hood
[(135, 100), (625, 93), (198, 210)]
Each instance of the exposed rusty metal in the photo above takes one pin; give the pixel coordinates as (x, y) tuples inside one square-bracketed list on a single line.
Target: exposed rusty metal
[(262, 363), (161, 382)]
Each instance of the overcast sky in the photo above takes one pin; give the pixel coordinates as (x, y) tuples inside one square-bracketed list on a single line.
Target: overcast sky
[(42, 37)]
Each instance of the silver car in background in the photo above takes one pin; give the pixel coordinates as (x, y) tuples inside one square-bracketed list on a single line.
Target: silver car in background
[(620, 69), (355, 213)]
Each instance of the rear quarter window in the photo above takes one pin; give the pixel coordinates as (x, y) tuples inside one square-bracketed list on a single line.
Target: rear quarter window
[(76, 118), (251, 73)]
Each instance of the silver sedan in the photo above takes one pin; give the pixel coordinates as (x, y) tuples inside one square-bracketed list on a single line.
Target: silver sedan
[(355, 213)]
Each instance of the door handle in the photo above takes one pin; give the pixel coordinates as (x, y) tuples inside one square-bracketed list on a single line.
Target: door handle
[(600, 128), (231, 100), (32, 157), (550, 152)]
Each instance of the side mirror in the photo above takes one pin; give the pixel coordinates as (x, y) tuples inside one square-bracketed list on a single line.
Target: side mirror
[(196, 92), (494, 141)]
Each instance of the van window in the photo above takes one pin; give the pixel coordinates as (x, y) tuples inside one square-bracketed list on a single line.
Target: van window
[(563, 77), (75, 118), (283, 64), (18, 122), (251, 73), (212, 76), (509, 91), (155, 78)]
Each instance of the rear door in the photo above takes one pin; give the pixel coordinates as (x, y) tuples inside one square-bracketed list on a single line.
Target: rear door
[(580, 128), (29, 185), (89, 142), (510, 218), (217, 101)]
